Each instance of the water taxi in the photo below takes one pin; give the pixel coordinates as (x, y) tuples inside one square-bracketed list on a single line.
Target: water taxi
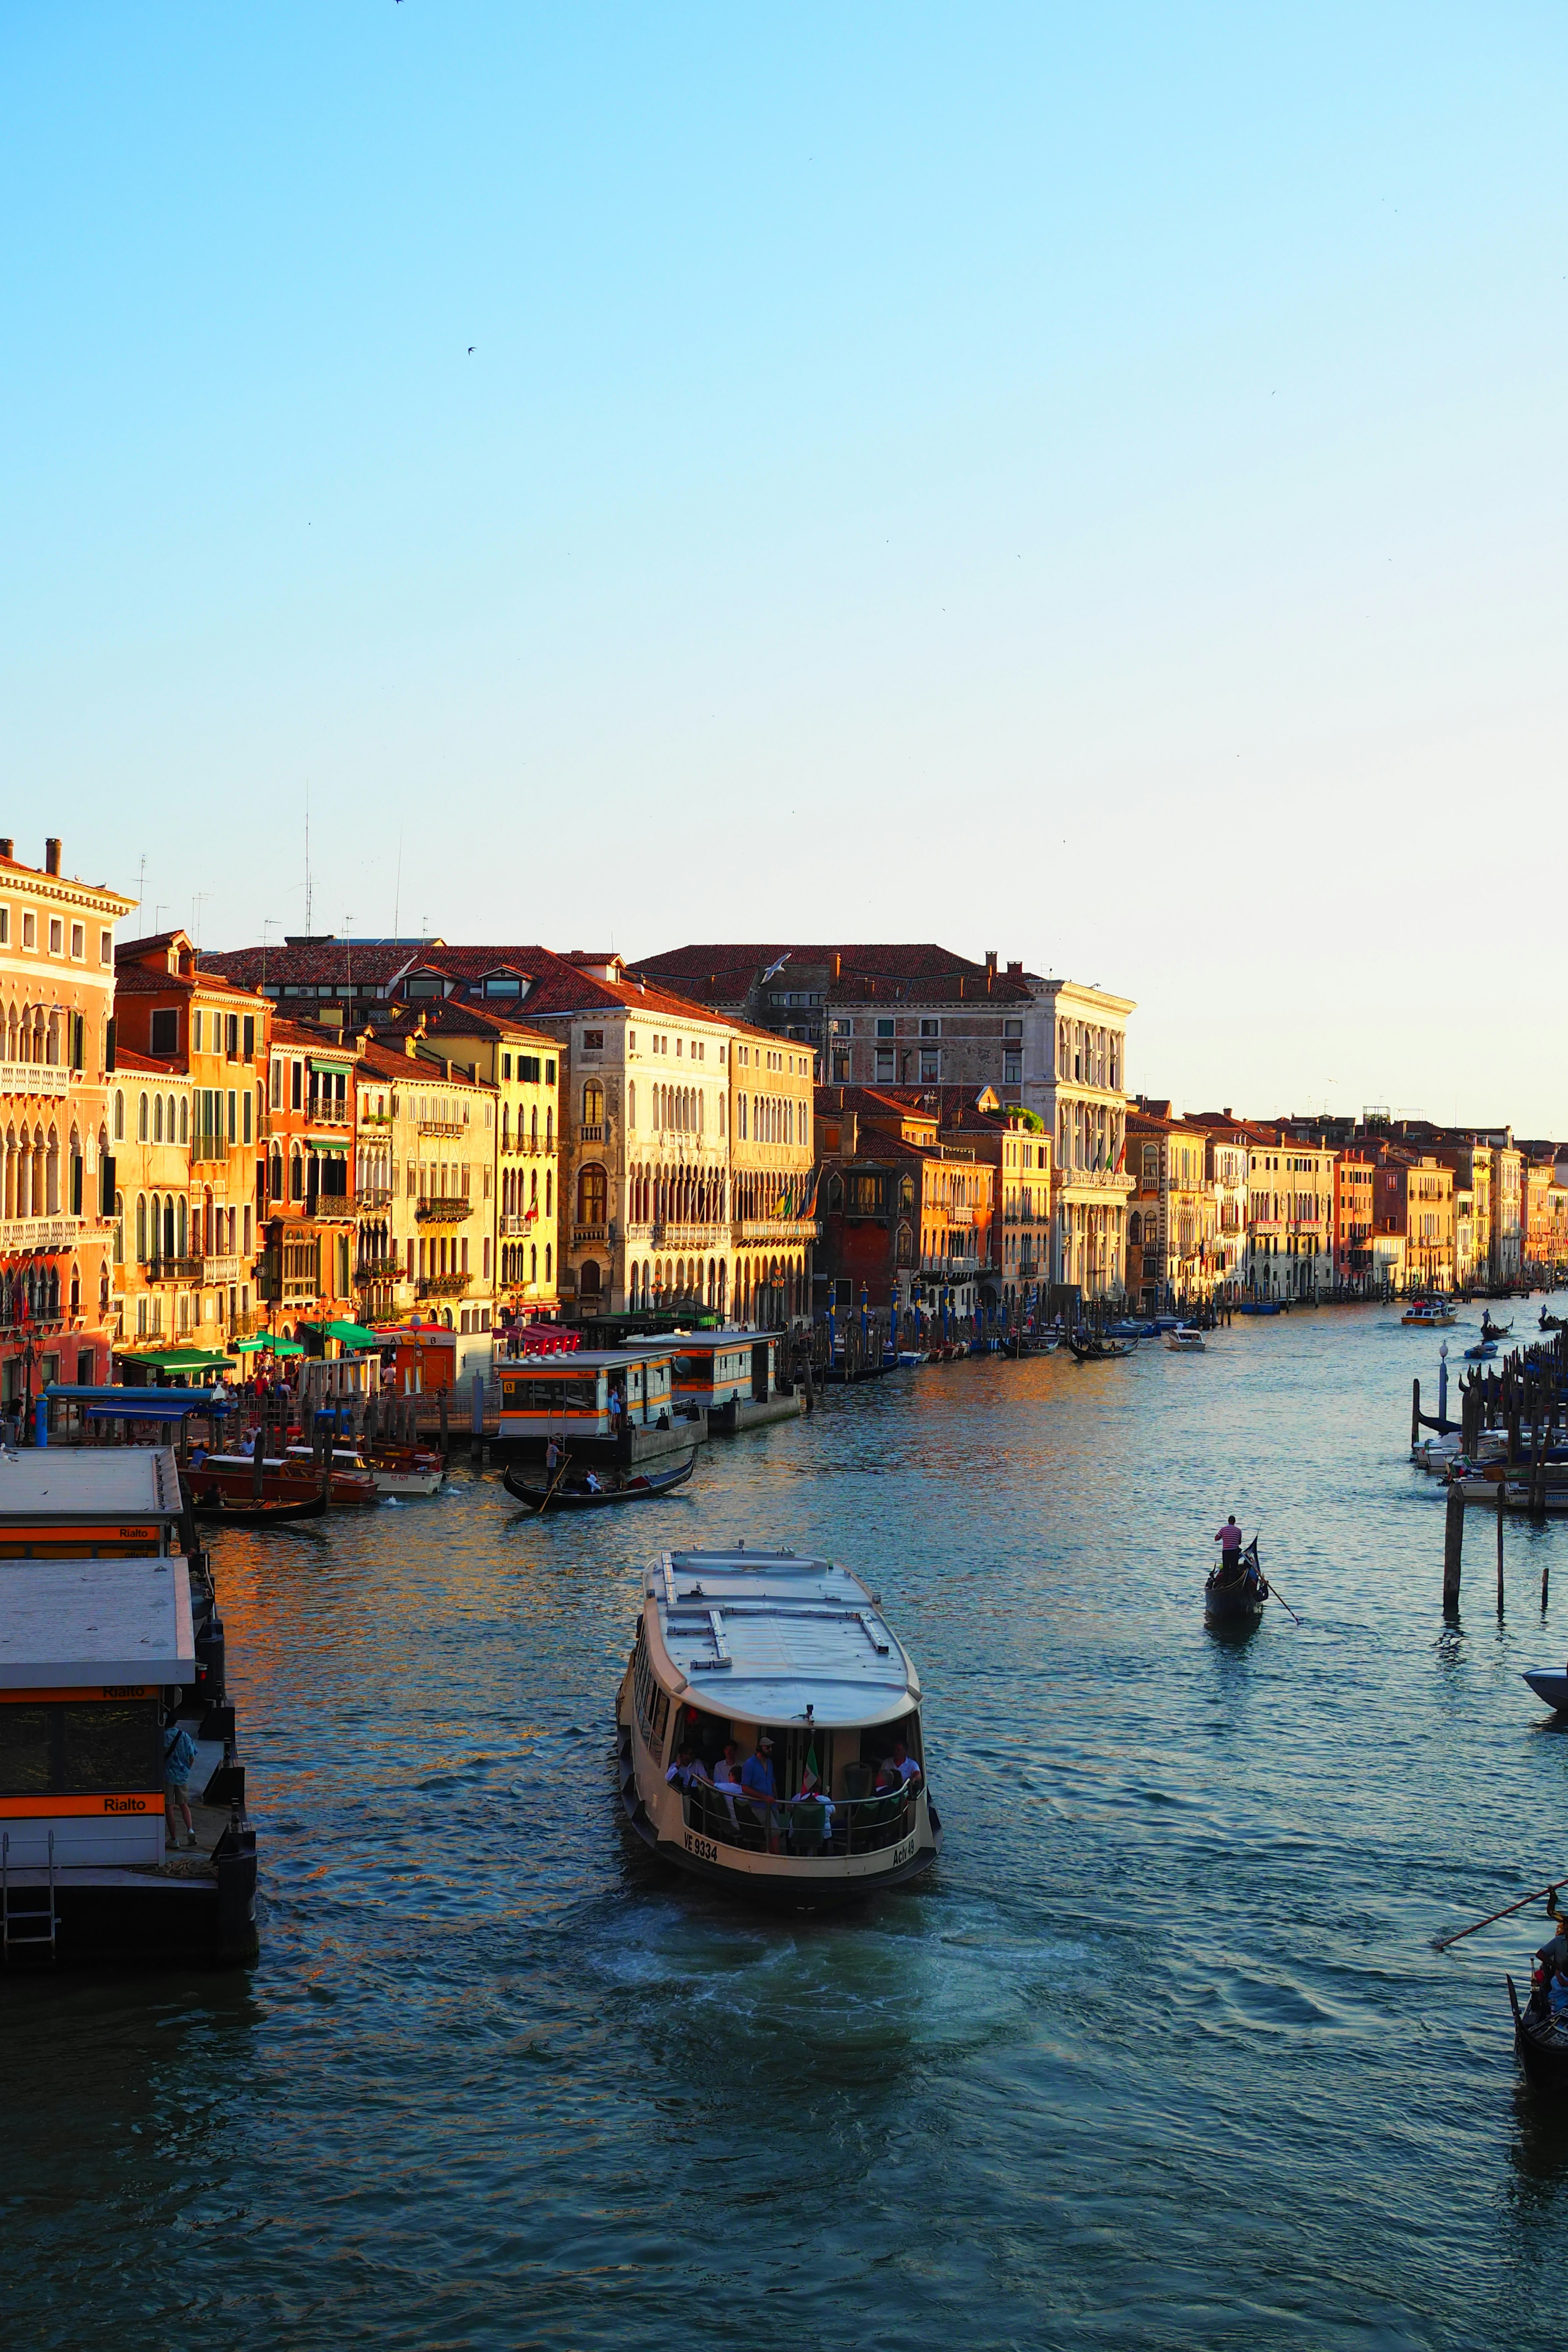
[(1428, 1313), (1188, 1340), (783, 1663)]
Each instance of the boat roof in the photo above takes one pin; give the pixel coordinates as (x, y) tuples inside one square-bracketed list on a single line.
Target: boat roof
[(691, 1343), (764, 1635), (88, 1482), (588, 1360), (69, 1625)]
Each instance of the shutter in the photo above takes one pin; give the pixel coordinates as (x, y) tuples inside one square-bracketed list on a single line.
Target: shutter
[(108, 1046)]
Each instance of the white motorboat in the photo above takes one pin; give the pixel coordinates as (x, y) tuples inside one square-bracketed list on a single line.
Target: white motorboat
[(1185, 1340), (1551, 1683), (735, 1648), (408, 1471)]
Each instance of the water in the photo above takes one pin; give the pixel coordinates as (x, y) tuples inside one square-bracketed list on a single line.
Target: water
[(1159, 2054)]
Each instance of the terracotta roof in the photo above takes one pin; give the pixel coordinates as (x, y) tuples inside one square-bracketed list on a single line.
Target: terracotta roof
[(335, 961), (887, 959), (451, 1016), (308, 1036), (143, 980), (124, 1060)]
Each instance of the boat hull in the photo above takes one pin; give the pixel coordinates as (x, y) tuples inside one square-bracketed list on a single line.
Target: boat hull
[(1545, 2061), (1551, 1683)]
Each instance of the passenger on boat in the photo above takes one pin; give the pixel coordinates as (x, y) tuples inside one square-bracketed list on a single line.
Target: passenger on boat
[(1229, 1542), (904, 1764), (179, 1755), (685, 1772), (757, 1780), (726, 1778), (594, 1486), (811, 1816)]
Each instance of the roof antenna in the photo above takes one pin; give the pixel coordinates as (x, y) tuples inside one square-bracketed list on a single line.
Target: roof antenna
[(309, 927), (397, 887)]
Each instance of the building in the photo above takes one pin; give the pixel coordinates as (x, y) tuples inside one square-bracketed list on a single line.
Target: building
[(907, 1215), (1173, 1258), (1355, 1222), (1290, 1216), (311, 1207), (1227, 1159), (918, 1015), (157, 1274), (1018, 1149), (57, 1171), (1414, 1198), (174, 1014)]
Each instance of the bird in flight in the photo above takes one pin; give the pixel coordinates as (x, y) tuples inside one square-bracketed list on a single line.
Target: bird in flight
[(470, 350)]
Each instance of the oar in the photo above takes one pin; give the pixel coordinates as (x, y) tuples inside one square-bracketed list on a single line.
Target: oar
[(1441, 1943), (561, 1474)]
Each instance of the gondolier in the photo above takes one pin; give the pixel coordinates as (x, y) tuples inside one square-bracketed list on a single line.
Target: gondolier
[(1229, 1542)]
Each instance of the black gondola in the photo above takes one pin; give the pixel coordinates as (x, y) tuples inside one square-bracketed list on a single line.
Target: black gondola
[(1236, 1599), (263, 1513), (546, 1495), (1542, 2049), (1089, 1348)]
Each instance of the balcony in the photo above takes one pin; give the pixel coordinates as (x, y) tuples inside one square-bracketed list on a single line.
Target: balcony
[(374, 1196), (776, 1229), (35, 1078), (594, 1134), (694, 1237), (174, 1269), (442, 1127), (41, 1233), (217, 1269), (583, 1234), (444, 1208), (440, 1286), (517, 1228), (327, 1115)]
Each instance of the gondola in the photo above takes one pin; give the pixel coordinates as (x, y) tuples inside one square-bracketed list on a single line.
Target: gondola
[(263, 1513), (1236, 1599), (544, 1495), (1089, 1350), (1541, 2047)]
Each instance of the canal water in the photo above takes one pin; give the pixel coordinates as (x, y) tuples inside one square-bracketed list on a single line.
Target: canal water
[(1160, 2054)]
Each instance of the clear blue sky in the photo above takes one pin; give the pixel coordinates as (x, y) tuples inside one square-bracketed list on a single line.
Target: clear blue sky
[(1084, 482)]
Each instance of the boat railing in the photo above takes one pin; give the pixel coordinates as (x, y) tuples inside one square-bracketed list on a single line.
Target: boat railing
[(860, 1824)]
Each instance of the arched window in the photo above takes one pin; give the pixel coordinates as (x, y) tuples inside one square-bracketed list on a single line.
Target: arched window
[(631, 1107), (140, 1229), (593, 1104), (157, 1119), (591, 1196), (548, 1192), (184, 1115), (296, 1175), (118, 1117), (183, 1227), (547, 1262), (142, 1118), (119, 1229)]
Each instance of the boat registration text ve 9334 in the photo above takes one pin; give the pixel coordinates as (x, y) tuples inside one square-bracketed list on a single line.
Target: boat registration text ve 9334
[(703, 1848)]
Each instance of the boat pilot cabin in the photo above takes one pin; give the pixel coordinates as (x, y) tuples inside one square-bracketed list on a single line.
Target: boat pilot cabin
[(714, 1369), (596, 1392)]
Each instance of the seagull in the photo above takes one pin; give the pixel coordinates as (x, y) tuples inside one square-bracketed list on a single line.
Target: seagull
[(470, 346)]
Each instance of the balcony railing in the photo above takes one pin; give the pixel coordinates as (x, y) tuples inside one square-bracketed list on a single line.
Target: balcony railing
[(35, 1078), (441, 1127), (777, 1229), (697, 1237), (589, 1234), (174, 1269), (374, 1196), (440, 1286), (517, 1228), (444, 1208), (592, 1134), (40, 1233)]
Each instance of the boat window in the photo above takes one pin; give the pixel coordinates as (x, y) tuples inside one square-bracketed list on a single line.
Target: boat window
[(79, 1748)]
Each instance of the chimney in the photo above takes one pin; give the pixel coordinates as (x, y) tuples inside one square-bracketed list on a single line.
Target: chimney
[(990, 964), (837, 965), (7, 848), (52, 855), (1015, 972), (409, 1044)]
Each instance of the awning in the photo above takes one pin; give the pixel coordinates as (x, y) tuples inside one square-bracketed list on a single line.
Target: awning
[(353, 1335), (263, 1344), (139, 1404), (174, 1360)]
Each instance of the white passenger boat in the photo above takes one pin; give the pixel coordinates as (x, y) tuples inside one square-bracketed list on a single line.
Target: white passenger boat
[(1428, 1313), (1188, 1340), (737, 1647)]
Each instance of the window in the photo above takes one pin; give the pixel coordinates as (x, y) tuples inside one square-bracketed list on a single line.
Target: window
[(593, 1041), (297, 1086), (1012, 1069), (5, 926), (884, 1059), (142, 1118), (841, 1065), (930, 1068), (930, 1028), (165, 1034), (79, 941), (527, 1069), (105, 942), (1012, 1028), (196, 1033), (118, 1117), (884, 1028), (56, 936), (29, 931), (592, 1107), (250, 1036), (592, 1196)]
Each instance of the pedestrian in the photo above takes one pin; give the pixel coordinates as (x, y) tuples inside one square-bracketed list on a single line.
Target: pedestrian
[(179, 1755)]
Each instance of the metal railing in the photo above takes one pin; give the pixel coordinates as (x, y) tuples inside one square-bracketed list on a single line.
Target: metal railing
[(441, 1286), (444, 1208), (857, 1824)]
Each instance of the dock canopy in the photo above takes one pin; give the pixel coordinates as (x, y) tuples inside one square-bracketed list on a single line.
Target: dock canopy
[(351, 1335), (261, 1343), (90, 1624), (140, 1404), (175, 1360)]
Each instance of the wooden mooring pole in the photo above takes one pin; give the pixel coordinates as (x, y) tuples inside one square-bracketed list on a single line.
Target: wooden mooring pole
[(1453, 1546), (1502, 1503)]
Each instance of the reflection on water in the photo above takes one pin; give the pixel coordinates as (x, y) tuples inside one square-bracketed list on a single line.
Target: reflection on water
[(1159, 2056)]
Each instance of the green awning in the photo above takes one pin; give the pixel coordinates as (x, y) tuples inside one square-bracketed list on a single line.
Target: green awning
[(174, 1360), (353, 1335), (263, 1344)]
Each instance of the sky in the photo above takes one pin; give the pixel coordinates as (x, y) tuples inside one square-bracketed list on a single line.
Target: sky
[(1084, 483)]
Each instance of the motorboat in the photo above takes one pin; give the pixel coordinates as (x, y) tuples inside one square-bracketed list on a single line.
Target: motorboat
[(391, 1469), (739, 1648), (1482, 1352), (1187, 1340), (1551, 1683), (1428, 1313), (1257, 1307)]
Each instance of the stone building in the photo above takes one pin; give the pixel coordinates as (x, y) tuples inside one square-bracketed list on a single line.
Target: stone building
[(172, 1011), (1172, 1256), (311, 1212), (1414, 1198), (57, 1158), (1290, 1216), (907, 1212)]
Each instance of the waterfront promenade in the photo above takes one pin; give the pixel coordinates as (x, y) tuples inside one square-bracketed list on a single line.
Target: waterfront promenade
[(1160, 2057)]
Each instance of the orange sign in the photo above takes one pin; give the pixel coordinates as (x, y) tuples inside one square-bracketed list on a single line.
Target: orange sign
[(37, 1809)]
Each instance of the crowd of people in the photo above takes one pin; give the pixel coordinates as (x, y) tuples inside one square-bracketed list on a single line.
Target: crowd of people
[(750, 1795)]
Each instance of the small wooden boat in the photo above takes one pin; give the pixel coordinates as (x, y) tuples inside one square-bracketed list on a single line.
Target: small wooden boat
[(234, 1513), (1087, 1348), (541, 1495), (1236, 1599), (1543, 2047), (1550, 1322), (1490, 1330)]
